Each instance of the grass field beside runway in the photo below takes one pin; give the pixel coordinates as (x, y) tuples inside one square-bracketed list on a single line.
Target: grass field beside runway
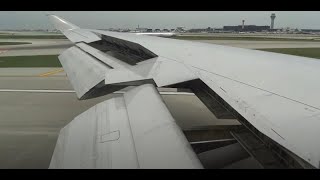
[(13, 43), (53, 61), (240, 38), (305, 52), (32, 36), (30, 61)]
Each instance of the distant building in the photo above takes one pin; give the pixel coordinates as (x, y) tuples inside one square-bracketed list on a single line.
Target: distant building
[(246, 28), (195, 30), (218, 29), (208, 30), (142, 29), (310, 30), (180, 29)]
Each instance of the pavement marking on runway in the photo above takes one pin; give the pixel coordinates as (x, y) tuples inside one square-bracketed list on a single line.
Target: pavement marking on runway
[(3, 51), (72, 91), (50, 73), (19, 75), (37, 91)]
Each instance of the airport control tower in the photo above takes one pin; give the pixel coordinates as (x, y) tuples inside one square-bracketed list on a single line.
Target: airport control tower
[(273, 16), (242, 24)]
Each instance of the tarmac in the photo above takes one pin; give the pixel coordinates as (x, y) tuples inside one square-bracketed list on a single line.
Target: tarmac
[(263, 44), (54, 47), (37, 47), (257, 34)]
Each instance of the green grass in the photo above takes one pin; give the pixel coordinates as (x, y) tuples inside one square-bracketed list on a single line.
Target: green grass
[(30, 61), (305, 52), (52, 60), (32, 36), (13, 43), (239, 38)]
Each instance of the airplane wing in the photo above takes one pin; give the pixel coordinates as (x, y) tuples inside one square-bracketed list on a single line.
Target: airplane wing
[(274, 96)]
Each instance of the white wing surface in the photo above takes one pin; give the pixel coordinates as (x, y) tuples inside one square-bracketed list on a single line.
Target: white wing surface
[(277, 94), (134, 130)]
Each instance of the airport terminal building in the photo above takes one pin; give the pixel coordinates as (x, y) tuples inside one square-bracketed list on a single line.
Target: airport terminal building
[(246, 28)]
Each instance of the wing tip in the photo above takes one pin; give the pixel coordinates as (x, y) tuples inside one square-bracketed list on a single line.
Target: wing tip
[(60, 23)]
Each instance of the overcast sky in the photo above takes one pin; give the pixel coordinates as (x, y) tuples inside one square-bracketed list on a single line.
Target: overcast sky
[(159, 19)]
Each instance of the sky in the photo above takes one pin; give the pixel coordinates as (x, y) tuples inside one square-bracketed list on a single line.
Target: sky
[(159, 19)]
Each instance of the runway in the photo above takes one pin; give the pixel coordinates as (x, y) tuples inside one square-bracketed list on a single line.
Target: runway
[(53, 47), (257, 34), (263, 44), (38, 47)]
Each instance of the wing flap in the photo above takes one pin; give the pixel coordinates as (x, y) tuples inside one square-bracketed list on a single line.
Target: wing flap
[(257, 107), (161, 70), (83, 70), (135, 130), (107, 59), (98, 138)]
